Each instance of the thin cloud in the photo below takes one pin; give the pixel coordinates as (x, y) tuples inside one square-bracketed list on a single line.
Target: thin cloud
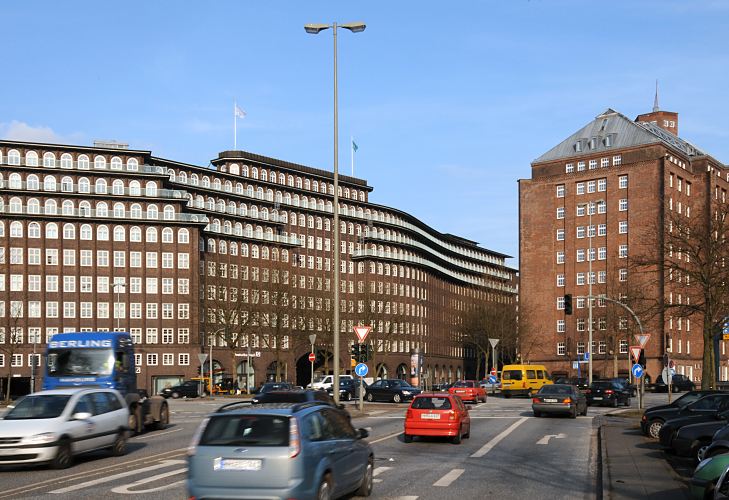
[(21, 131)]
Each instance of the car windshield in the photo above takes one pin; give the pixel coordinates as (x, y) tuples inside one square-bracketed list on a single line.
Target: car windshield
[(602, 385), (242, 430), (283, 397), (511, 375), (432, 404), (464, 383), (71, 362), (38, 407), (401, 383), (555, 389), (688, 398), (273, 387)]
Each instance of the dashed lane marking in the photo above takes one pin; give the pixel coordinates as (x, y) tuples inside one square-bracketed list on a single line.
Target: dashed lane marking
[(488, 446), (378, 471), (449, 478), (80, 486)]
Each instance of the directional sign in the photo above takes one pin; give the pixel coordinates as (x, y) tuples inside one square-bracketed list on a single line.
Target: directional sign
[(492, 379), (635, 352), (586, 356), (575, 365), (637, 370), (361, 370), (362, 332), (312, 357), (643, 339)]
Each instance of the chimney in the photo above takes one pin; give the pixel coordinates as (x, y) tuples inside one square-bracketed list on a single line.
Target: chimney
[(667, 120)]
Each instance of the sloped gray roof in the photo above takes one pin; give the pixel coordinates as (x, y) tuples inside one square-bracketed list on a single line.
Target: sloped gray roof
[(611, 131)]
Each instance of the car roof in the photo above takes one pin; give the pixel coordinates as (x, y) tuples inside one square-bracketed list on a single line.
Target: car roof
[(67, 392), (244, 407)]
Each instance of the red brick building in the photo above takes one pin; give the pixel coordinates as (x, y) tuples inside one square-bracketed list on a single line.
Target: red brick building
[(237, 256), (595, 201)]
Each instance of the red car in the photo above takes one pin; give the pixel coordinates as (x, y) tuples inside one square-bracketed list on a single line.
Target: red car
[(469, 390), (437, 414)]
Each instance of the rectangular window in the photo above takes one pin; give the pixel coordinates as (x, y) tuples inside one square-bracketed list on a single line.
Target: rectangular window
[(617, 160), (183, 311), (580, 302), (623, 251), (151, 311), (591, 186), (623, 274), (580, 255), (135, 285), (580, 348), (580, 231), (593, 164), (183, 335), (560, 257), (168, 260), (602, 348), (560, 234), (151, 336), (602, 253), (34, 256), (601, 185), (51, 256), (569, 168), (151, 287), (604, 162), (151, 260), (136, 334), (560, 191), (623, 205), (168, 359), (580, 324), (183, 359), (580, 166), (601, 229), (560, 325), (580, 188), (151, 359), (51, 309), (601, 276), (560, 280), (135, 259), (601, 207), (580, 278), (168, 286), (102, 258), (183, 260), (69, 310), (135, 310), (86, 309), (69, 284), (561, 349), (102, 309), (86, 284), (560, 213), (16, 361), (560, 302), (120, 259), (167, 311), (623, 226), (183, 286), (69, 257)]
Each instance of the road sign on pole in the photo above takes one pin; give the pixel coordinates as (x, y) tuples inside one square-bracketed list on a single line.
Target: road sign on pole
[(202, 357), (312, 338), (643, 339), (493, 371), (635, 352), (493, 342), (637, 370), (361, 370), (312, 357), (362, 332)]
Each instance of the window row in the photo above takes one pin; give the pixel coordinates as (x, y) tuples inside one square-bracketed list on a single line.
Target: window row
[(104, 258), (81, 185), (81, 162), (598, 347), (183, 359), (598, 185), (70, 231), (54, 283), (94, 310), (17, 335), (100, 209)]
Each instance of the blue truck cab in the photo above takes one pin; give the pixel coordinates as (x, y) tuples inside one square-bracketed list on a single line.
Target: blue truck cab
[(106, 360)]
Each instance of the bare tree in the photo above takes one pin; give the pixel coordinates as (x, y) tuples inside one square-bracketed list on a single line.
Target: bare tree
[(11, 345)]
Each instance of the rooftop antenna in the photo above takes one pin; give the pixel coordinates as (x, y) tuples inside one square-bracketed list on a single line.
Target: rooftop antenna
[(655, 101)]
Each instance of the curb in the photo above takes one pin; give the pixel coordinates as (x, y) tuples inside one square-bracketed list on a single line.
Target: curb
[(603, 475)]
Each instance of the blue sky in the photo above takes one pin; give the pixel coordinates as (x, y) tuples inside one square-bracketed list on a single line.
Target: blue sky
[(449, 102)]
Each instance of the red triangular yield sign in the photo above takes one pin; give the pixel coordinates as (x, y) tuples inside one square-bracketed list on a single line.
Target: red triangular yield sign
[(362, 332), (635, 352), (643, 339)]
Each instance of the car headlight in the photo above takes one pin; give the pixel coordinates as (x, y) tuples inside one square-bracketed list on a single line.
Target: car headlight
[(44, 438), (407, 393)]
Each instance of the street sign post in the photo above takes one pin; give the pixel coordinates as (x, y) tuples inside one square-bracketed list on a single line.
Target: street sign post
[(361, 371), (492, 379), (637, 370), (642, 339), (201, 356), (635, 352), (312, 357), (586, 356), (362, 332), (493, 343), (312, 340)]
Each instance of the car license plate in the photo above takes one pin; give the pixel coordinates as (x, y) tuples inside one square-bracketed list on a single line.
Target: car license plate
[(460, 392), (8, 451), (431, 416), (236, 464), (549, 400), (597, 398)]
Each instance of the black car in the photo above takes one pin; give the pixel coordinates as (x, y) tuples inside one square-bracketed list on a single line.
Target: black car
[(653, 419), (678, 383), (395, 390), (632, 388), (274, 386), (292, 396), (690, 436), (348, 389), (442, 387), (603, 392), (187, 389), (683, 400), (562, 399), (719, 443)]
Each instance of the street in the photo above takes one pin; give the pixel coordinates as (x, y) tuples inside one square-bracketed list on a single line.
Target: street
[(510, 453)]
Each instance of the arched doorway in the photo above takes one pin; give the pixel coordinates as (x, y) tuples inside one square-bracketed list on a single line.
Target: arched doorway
[(242, 375), (381, 371), (276, 373), (218, 371), (459, 372), (402, 371), (450, 374), (303, 367)]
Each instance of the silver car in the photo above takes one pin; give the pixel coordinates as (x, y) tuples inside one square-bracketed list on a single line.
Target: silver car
[(300, 450), (53, 426)]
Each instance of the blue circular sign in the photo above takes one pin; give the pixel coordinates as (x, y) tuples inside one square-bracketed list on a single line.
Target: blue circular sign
[(361, 370), (637, 371), (492, 379)]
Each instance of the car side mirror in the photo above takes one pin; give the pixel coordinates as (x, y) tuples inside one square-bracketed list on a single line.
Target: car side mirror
[(362, 433), (82, 415)]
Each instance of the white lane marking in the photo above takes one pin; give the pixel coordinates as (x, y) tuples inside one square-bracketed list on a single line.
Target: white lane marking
[(545, 439), (380, 470), (386, 437), (126, 487), (487, 447), (449, 478), (155, 434), (80, 486)]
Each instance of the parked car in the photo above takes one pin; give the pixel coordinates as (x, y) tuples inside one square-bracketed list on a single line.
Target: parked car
[(719, 443), (706, 475), (274, 386), (325, 382), (442, 387), (468, 390), (691, 435), (721, 489), (293, 396), (678, 383), (560, 399), (53, 426), (654, 418), (603, 392), (684, 400), (348, 389), (187, 389), (437, 414), (395, 390), (300, 450)]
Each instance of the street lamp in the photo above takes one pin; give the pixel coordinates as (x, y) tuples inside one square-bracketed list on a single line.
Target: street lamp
[(314, 29), (590, 207), (117, 312)]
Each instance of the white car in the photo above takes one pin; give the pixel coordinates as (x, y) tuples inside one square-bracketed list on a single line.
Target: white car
[(53, 426), (326, 382)]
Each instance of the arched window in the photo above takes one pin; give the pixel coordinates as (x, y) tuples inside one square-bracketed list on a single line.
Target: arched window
[(243, 209), (264, 175), (16, 206), (102, 233), (152, 212), (16, 229), (49, 183), (254, 211), (67, 207), (31, 159), (100, 186), (102, 209), (135, 188), (167, 236), (117, 187), (49, 160), (264, 253), (85, 232), (34, 230), (99, 162), (116, 163), (119, 210), (169, 213), (132, 164), (69, 232), (194, 179), (211, 245), (33, 206), (238, 229), (67, 185), (136, 211), (231, 207), (244, 171), (150, 189), (205, 181), (298, 182), (307, 184), (82, 162), (66, 161), (83, 185), (233, 248), (281, 179), (254, 172), (51, 231), (84, 209), (221, 206), (210, 204), (284, 255), (50, 207), (15, 181), (249, 191), (228, 187), (254, 251), (238, 188), (13, 157), (315, 186), (135, 234), (216, 184), (183, 236), (182, 177), (234, 169), (248, 232), (259, 193), (151, 236), (119, 233)]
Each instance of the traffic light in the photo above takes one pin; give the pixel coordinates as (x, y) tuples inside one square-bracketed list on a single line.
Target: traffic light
[(355, 351), (365, 353), (568, 303)]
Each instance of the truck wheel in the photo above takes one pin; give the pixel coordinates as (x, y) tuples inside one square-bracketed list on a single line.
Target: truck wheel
[(164, 418)]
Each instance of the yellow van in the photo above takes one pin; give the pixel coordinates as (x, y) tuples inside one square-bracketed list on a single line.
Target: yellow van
[(523, 379)]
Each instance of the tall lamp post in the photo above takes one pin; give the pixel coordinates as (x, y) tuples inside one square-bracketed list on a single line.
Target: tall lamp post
[(117, 312), (315, 29)]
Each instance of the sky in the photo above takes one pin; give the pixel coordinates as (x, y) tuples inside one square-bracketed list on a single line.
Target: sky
[(448, 102)]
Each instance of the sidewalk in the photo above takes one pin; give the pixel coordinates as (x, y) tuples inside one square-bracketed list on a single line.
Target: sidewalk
[(633, 465)]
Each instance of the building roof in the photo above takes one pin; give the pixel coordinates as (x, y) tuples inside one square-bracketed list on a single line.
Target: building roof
[(611, 131)]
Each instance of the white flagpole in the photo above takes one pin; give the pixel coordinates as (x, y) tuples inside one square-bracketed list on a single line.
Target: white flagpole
[(351, 140), (235, 127)]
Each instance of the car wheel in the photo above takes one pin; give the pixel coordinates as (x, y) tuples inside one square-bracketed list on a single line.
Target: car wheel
[(164, 418), (408, 438), (584, 412), (119, 448), (175, 395), (457, 438), (468, 434), (654, 428), (365, 489), (507, 395), (537, 413), (324, 492), (627, 401), (701, 452), (370, 398), (64, 456), (397, 398), (573, 413), (615, 402)]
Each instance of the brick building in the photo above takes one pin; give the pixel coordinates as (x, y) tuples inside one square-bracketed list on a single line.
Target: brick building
[(236, 256), (595, 202)]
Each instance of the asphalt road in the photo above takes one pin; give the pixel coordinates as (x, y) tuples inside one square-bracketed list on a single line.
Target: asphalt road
[(510, 454)]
